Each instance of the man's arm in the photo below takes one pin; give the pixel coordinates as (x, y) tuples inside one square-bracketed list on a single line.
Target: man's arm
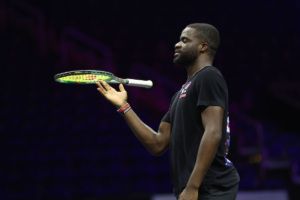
[(155, 142), (212, 119)]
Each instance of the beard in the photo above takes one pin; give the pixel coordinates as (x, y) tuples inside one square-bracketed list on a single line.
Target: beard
[(185, 58)]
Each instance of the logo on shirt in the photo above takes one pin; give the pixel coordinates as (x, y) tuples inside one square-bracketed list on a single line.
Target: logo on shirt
[(184, 89)]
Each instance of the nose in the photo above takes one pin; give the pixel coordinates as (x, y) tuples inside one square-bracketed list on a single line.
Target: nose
[(178, 45)]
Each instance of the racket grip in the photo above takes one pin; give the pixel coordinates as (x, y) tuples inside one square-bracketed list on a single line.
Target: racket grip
[(139, 83)]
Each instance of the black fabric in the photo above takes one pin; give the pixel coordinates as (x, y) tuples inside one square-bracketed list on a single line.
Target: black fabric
[(206, 88), (218, 193)]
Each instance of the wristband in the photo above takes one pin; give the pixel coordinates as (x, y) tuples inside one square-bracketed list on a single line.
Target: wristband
[(124, 109)]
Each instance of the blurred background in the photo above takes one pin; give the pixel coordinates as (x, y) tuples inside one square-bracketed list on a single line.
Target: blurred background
[(66, 142)]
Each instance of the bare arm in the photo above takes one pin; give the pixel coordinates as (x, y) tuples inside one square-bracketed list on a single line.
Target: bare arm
[(212, 119), (155, 142)]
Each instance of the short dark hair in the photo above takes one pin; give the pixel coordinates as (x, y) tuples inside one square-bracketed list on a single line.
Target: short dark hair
[(209, 34)]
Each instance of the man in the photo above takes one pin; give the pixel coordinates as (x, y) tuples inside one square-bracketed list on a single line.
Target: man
[(195, 127)]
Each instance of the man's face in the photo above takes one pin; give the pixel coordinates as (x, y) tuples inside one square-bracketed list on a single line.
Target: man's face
[(186, 50)]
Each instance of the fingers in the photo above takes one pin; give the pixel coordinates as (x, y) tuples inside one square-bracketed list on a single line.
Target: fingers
[(121, 87), (103, 87)]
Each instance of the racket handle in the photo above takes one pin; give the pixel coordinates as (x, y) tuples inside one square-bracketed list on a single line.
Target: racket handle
[(139, 83)]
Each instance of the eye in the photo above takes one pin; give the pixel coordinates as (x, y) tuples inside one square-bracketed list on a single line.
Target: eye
[(184, 40)]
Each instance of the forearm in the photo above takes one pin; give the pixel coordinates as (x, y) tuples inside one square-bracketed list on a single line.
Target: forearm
[(155, 142), (206, 154), (145, 134)]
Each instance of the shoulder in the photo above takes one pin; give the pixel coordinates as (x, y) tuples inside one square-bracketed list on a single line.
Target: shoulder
[(209, 71), (209, 74)]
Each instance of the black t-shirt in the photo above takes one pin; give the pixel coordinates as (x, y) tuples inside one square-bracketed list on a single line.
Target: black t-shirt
[(206, 88)]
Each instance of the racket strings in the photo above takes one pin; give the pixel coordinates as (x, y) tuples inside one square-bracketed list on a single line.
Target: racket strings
[(84, 78)]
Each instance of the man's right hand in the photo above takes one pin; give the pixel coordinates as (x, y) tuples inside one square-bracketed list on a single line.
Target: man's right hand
[(117, 98)]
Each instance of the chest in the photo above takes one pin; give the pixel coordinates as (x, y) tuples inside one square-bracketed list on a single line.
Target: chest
[(185, 102)]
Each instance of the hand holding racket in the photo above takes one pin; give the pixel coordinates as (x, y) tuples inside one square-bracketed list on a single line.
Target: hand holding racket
[(117, 98)]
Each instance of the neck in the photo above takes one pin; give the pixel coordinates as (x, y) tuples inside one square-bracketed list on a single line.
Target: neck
[(197, 66)]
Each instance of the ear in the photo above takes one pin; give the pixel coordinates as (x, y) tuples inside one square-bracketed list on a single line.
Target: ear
[(202, 47)]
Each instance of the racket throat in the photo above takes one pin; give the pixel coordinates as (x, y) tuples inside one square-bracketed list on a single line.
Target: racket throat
[(139, 83), (116, 80)]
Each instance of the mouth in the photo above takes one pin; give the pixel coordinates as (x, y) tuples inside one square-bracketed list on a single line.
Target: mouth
[(176, 53)]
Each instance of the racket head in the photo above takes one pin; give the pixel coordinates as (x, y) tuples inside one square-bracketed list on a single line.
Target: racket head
[(85, 77)]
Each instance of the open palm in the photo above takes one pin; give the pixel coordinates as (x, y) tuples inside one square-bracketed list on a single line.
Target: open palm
[(117, 98)]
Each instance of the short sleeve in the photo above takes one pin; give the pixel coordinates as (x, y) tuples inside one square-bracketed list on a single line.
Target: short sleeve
[(166, 117), (211, 90)]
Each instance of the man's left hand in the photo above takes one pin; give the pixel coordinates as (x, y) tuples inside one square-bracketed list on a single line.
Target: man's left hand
[(189, 194)]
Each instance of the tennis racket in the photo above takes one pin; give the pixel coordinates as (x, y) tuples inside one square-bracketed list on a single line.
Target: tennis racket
[(93, 76)]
